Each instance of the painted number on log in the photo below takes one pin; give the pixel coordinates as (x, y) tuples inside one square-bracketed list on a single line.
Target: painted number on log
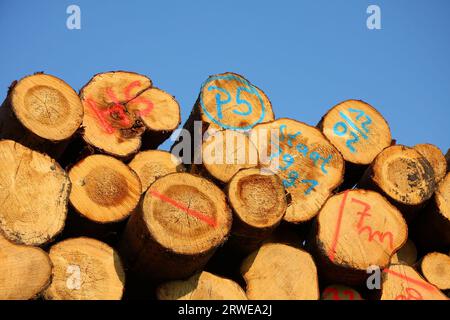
[(355, 129)]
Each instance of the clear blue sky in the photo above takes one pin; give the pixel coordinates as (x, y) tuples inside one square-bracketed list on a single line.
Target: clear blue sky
[(306, 55)]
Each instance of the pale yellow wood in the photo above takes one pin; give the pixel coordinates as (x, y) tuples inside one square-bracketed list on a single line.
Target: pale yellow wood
[(435, 267)]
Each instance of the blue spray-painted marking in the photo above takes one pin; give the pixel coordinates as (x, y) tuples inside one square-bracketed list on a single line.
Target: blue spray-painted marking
[(247, 88), (313, 184), (220, 102), (341, 128)]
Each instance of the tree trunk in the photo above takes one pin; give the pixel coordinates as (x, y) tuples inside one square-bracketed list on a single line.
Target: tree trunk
[(34, 194), (356, 229), (104, 193), (154, 164), (435, 267), (259, 203), (435, 157), (85, 269), (403, 176), (431, 229), (359, 132), (402, 282), (278, 271), (180, 223), (201, 286), (309, 166), (123, 111), (24, 271)]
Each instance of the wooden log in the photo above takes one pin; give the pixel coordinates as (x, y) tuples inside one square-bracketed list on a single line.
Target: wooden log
[(356, 229), (435, 157), (258, 201), (278, 271), (201, 286), (24, 271), (41, 112), (123, 111), (447, 157), (407, 254), (34, 194), (85, 269), (104, 193), (339, 292), (403, 176), (180, 223), (152, 164), (309, 166), (359, 132), (402, 282), (435, 267), (431, 229)]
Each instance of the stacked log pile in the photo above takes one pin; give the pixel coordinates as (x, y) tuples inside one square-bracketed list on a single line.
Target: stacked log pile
[(245, 206)]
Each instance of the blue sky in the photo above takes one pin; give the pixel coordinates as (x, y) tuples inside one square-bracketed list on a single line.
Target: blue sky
[(306, 55)]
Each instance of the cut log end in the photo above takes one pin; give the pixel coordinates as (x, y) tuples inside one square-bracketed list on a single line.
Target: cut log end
[(104, 190), (358, 229), (35, 192), (85, 269), (404, 175), (24, 271), (407, 254), (340, 292), (120, 107), (309, 166), (435, 157), (153, 164), (402, 282), (230, 101), (357, 130), (201, 286), (435, 268), (293, 269), (186, 214), (46, 106)]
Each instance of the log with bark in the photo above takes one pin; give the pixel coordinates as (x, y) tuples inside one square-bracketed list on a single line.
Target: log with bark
[(104, 193), (435, 157), (310, 167), (402, 282), (25, 271), (152, 164), (356, 229), (85, 269), (359, 132), (180, 223), (124, 112), (435, 267), (34, 195), (41, 112), (403, 176), (431, 229), (278, 271), (201, 286)]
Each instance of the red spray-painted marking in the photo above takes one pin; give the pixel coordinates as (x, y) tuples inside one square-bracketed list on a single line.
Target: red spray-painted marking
[(129, 87), (99, 114), (332, 251), (419, 283), (335, 293), (412, 294), (146, 111), (194, 213)]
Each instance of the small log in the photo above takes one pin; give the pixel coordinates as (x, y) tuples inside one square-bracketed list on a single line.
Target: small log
[(201, 286), (340, 292), (435, 157), (259, 203), (25, 271), (123, 112), (359, 132), (278, 271), (435, 267), (403, 176), (406, 255), (34, 194), (431, 229), (41, 112), (153, 164), (402, 282), (104, 193), (356, 229), (85, 269), (309, 166), (180, 223)]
